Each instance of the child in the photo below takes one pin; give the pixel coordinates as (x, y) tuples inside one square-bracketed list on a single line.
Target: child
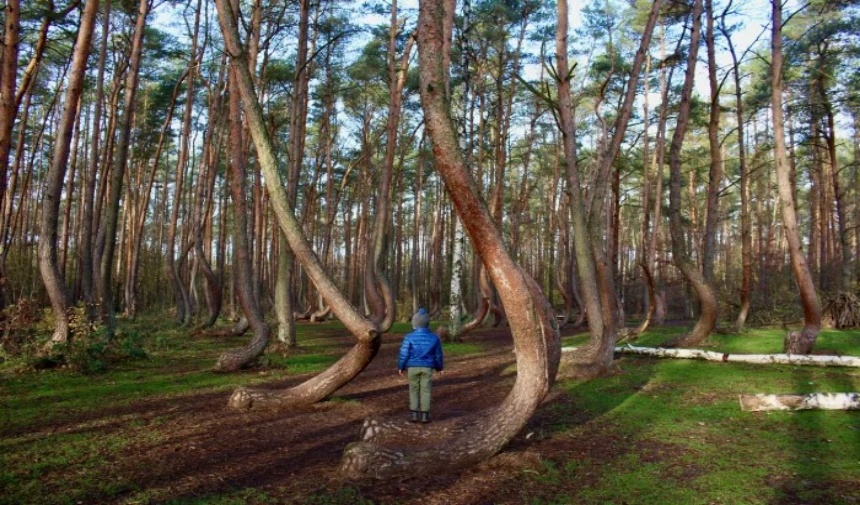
[(420, 354)]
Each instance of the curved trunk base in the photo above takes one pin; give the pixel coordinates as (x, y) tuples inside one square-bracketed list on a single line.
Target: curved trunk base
[(312, 390), (800, 342), (443, 447), (587, 362), (235, 360), (699, 333), (321, 315), (240, 327), (445, 335)]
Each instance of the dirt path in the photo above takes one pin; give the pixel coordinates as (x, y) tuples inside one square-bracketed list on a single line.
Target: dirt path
[(192, 446)]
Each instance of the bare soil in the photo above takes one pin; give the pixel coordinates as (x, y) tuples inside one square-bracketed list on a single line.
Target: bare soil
[(193, 449)]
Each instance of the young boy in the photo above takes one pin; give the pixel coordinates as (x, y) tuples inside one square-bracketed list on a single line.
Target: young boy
[(420, 354)]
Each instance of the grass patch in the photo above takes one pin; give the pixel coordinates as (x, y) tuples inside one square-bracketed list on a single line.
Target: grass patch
[(462, 348), (678, 436), (655, 432)]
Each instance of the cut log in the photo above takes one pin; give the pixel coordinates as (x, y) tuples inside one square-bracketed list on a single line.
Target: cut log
[(776, 359), (811, 401)]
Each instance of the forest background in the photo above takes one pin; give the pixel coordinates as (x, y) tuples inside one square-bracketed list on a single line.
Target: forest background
[(228, 162)]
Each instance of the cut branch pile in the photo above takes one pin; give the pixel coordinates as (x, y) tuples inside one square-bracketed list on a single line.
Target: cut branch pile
[(779, 359), (842, 311)]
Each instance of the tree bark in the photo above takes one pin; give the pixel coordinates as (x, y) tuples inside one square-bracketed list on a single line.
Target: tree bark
[(532, 324), (746, 218), (594, 358), (233, 360), (811, 401), (365, 331), (796, 342), (112, 217), (8, 80), (715, 174), (708, 301), (55, 283), (180, 295)]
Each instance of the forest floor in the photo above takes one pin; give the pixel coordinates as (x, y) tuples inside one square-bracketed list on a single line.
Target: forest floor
[(157, 430)]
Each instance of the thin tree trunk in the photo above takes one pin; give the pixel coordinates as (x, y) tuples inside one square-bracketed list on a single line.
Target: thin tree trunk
[(55, 283), (715, 174), (704, 291), (746, 218), (795, 342), (8, 111), (244, 277), (123, 141), (183, 306)]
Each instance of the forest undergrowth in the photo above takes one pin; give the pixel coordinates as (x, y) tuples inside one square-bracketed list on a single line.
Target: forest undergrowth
[(153, 427)]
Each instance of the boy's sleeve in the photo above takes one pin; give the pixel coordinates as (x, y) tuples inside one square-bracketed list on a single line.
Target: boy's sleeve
[(440, 363), (404, 353)]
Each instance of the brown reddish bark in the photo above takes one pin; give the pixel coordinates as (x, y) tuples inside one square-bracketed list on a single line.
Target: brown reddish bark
[(118, 172), (180, 295), (8, 79), (55, 283), (746, 218), (715, 173), (234, 360), (535, 335), (377, 279), (365, 331), (708, 316), (800, 342)]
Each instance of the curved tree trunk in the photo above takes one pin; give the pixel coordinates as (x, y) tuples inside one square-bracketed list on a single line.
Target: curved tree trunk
[(596, 267), (234, 360), (708, 316), (592, 359), (55, 283), (365, 331), (118, 173), (377, 282), (205, 190), (535, 336), (715, 173), (746, 218), (799, 342), (447, 335), (180, 295)]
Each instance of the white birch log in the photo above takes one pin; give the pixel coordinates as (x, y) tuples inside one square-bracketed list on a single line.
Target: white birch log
[(779, 359), (811, 401)]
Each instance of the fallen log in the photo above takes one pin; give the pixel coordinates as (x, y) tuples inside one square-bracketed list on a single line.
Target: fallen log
[(811, 401), (776, 359)]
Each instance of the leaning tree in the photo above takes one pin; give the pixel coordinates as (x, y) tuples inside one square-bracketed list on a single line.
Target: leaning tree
[(367, 333)]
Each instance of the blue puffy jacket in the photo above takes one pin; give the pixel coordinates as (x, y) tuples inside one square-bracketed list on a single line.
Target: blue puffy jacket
[(421, 347)]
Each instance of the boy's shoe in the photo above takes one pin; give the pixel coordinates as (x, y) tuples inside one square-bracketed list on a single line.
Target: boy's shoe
[(425, 417), (413, 416)]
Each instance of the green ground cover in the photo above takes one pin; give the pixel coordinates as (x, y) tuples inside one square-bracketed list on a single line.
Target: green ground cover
[(656, 431)]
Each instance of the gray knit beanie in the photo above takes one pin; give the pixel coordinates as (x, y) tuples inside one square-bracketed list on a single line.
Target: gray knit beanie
[(421, 319)]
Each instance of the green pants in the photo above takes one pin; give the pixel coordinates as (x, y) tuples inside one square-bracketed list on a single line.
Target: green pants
[(419, 388)]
